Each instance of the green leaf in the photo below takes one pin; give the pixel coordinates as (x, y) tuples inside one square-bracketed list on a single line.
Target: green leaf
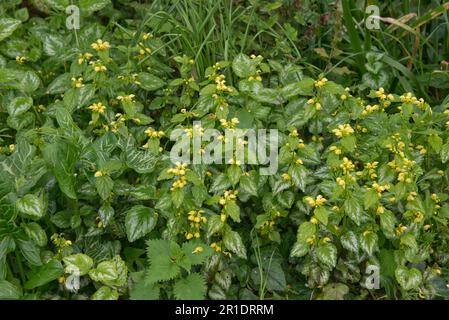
[(232, 209), (61, 158), (150, 82), (192, 287), (106, 213), (90, 6), (349, 241), (353, 209), (162, 255), (52, 44), (78, 98), (32, 206), (368, 242), (7, 27), (348, 143), (35, 232), (305, 231), (248, 183), (387, 223), (52, 270), (104, 185), (234, 172), (409, 279), (19, 106), (234, 243), (105, 293), (177, 197), (196, 257), (299, 177), (444, 153), (299, 249), (371, 197), (243, 66), (327, 254), (9, 291), (334, 291), (139, 221), (435, 142), (110, 272), (322, 215), (78, 264), (220, 183), (143, 291)]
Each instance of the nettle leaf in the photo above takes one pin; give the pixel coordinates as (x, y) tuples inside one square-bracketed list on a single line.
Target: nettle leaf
[(243, 66), (195, 256), (306, 230), (163, 256), (150, 82), (177, 197), (233, 242), (232, 209), (248, 183), (192, 287), (350, 242), (61, 157), (7, 27), (9, 291), (30, 251), (35, 232), (334, 291), (409, 279), (214, 224), (327, 254), (78, 264), (112, 272), (371, 197), (299, 249), (106, 213), (368, 242), (105, 293), (50, 271), (444, 153), (387, 223), (32, 206), (234, 172), (19, 106), (139, 221), (322, 214), (299, 177), (104, 185), (143, 291), (220, 183), (90, 6), (353, 209)]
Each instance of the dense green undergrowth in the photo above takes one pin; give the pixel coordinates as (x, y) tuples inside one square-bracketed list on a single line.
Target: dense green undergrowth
[(91, 206)]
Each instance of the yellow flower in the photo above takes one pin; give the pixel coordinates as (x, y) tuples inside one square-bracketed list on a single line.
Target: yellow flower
[(100, 45), (400, 229), (343, 130), (99, 174), (127, 98), (20, 59), (198, 249), (97, 107), (11, 147), (78, 83), (320, 83), (335, 149)]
